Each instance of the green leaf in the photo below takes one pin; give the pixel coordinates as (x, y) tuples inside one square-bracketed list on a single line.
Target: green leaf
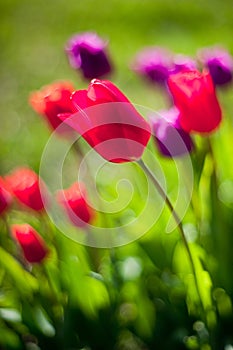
[(204, 282), (42, 322), (9, 338), (10, 315), (91, 296), (223, 301), (23, 280)]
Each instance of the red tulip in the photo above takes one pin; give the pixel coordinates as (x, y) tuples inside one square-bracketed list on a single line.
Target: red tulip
[(32, 244), (24, 184), (5, 196), (52, 100), (194, 95), (109, 122), (73, 200)]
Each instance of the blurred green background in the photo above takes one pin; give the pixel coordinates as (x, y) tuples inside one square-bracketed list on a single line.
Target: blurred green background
[(153, 303), (33, 34)]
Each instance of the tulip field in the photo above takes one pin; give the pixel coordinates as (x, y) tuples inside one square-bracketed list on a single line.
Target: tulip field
[(116, 182)]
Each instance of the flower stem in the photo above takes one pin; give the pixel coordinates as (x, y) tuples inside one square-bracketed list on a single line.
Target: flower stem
[(175, 216)]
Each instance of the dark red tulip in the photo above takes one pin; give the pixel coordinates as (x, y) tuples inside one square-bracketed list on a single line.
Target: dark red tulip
[(219, 63), (109, 122), (5, 196), (24, 183), (74, 201), (87, 52), (52, 100), (194, 96), (171, 139), (153, 63), (157, 64), (33, 246)]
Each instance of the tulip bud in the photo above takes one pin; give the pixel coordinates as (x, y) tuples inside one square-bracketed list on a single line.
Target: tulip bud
[(74, 202), (33, 246), (24, 184)]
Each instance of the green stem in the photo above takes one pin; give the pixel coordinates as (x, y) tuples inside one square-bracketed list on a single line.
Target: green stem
[(78, 150), (53, 288), (219, 223), (175, 216)]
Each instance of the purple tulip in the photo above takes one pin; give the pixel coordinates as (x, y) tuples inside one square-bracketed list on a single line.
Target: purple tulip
[(154, 63), (182, 63), (171, 139), (219, 62), (87, 52)]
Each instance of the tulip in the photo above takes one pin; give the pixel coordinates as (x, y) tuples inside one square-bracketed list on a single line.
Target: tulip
[(33, 246), (24, 184), (171, 139), (154, 63), (5, 197), (194, 96), (182, 63), (52, 100), (74, 202), (87, 52), (219, 63), (109, 122)]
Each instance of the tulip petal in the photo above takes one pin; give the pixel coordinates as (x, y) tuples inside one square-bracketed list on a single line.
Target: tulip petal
[(194, 96), (107, 120), (79, 100), (103, 91)]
